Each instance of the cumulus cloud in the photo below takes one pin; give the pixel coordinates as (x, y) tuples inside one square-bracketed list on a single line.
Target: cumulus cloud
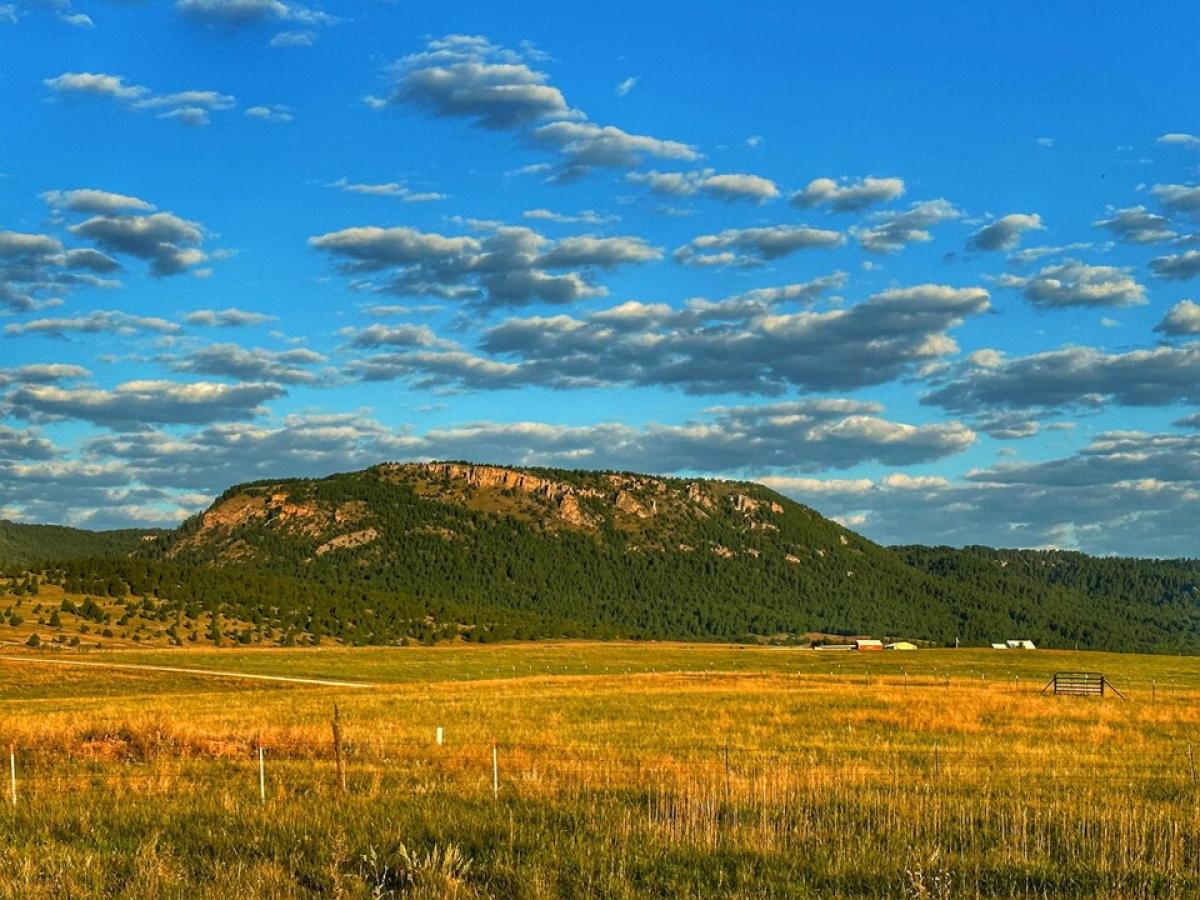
[(1183, 318), (135, 404), (504, 266), (16, 443), (302, 38), (1178, 197), (754, 246), (114, 476), (742, 344), (803, 435), (1073, 283), (240, 13), (36, 270), (809, 436), (468, 77), (396, 336), (387, 189), (849, 195), (95, 84), (91, 200), (1079, 377), (730, 187), (1005, 233), (586, 145), (251, 364), (1177, 266), (276, 112), (583, 217), (232, 317), (1009, 426), (890, 231), (42, 373), (1184, 140), (189, 107), (170, 244), (1031, 255), (1126, 493), (101, 320), (1137, 225)]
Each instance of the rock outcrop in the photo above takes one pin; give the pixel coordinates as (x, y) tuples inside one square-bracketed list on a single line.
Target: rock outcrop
[(346, 541)]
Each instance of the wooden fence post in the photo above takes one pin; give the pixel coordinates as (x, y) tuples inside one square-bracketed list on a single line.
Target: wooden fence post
[(495, 771), (12, 771), (262, 772), (337, 748), (1192, 762)]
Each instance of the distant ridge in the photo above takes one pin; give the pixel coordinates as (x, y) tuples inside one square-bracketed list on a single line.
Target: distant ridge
[(428, 551)]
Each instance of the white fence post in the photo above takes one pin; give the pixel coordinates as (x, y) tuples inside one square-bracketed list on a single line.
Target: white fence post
[(262, 774), (495, 772)]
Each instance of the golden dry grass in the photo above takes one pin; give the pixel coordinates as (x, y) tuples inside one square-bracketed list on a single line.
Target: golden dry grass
[(759, 772)]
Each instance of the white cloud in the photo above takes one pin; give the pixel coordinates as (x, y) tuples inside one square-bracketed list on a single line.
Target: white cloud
[(1178, 197), (273, 113), (1182, 319), (135, 404), (1005, 233), (1136, 225), (754, 246), (849, 195), (626, 86), (294, 39), (113, 321), (506, 265), (583, 217), (1184, 140), (743, 344), (1073, 377), (90, 200), (891, 231), (388, 189), (1177, 266), (231, 317), (468, 77), (1073, 283), (190, 107)]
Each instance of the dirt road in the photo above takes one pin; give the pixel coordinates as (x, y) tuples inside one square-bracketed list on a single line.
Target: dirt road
[(322, 682)]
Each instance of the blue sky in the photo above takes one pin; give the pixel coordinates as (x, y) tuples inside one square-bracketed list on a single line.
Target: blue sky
[(927, 267)]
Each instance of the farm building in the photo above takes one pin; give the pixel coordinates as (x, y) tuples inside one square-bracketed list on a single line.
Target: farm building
[(1020, 645), (868, 644), (902, 645), (999, 646)]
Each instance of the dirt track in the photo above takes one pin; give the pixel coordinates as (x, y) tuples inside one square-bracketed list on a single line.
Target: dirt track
[(322, 682)]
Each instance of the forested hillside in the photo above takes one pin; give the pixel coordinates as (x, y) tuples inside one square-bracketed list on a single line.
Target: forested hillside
[(26, 543), (1150, 603), (454, 550)]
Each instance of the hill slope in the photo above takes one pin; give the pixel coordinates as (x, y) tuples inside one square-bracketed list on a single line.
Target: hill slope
[(428, 551), (20, 543)]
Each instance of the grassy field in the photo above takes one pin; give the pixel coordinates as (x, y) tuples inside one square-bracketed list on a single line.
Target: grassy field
[(623, 770)]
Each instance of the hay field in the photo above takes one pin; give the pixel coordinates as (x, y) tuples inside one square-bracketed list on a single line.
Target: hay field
[(623, 770)]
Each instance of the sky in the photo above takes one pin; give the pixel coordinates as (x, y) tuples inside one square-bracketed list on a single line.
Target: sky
[(931, 269)]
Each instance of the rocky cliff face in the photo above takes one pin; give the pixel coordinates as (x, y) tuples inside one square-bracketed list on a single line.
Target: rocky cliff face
[(656, 513)]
